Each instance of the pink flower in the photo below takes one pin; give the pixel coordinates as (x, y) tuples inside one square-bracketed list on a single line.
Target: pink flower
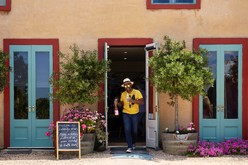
[(48, 133), (83, 126), (89, 121), (51, 126)]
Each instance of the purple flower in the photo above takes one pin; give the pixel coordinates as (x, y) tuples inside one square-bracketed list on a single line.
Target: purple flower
[(89, 121), (231, 146)]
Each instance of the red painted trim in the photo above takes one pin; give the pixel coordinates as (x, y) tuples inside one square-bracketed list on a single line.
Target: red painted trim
[(244, 41), (7, 7), (6, 107), (56, 106), (195, 116), (150, 5), (122, 42)]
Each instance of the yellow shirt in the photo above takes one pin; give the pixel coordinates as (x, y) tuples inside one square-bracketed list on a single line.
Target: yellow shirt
[(131, 108)]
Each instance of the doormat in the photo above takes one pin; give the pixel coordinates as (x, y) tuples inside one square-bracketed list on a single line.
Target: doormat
[(138, 153)]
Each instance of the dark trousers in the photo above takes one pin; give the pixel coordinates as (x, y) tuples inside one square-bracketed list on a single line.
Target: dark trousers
[(131, 128)]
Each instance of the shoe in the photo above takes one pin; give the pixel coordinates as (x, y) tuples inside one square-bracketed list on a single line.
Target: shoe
[(134, 147), (129, 150)]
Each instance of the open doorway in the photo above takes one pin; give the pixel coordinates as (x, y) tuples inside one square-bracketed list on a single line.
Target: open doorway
[(126, 61)]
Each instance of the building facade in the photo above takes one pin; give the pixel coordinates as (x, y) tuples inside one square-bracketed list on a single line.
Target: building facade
[(33, 32)]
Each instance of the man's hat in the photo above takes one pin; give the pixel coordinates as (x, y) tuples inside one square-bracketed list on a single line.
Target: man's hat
[(127, 80)]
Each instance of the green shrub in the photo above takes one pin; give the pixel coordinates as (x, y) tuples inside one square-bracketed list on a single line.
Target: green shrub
[(4, 69), (80, 76)]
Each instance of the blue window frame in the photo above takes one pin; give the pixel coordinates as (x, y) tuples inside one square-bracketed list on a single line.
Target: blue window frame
[(173, 1), (173, 4), (5, 5)]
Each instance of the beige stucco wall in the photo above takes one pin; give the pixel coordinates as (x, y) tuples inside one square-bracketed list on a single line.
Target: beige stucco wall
[(83, 22), (167, 113)]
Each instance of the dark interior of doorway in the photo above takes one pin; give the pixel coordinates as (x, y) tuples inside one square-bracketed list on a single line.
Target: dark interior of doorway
[(125, 62)]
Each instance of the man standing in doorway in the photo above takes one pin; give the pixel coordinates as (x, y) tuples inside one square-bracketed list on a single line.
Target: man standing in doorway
[(130, 100)]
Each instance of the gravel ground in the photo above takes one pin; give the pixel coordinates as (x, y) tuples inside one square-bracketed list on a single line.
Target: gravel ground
[(105, 158)]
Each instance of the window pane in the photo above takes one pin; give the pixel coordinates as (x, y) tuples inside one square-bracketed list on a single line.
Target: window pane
[(209, 101), (174, 1), (231, 85), (20, 85), (185, 1), (42, 85), (161, 1), (2, 2)]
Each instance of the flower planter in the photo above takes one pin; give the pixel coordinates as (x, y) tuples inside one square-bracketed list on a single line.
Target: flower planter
[(100, 146), (87, 143), (177, 144)]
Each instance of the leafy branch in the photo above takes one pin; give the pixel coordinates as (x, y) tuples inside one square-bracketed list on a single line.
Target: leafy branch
[(80, 76), (180, 72)]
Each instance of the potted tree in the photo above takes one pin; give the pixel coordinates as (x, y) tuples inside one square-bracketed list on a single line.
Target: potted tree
[(179, 73), (4, 69), (78, 83), (79, 77)]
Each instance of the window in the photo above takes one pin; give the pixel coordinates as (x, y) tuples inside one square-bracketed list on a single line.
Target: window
[(2, 2), (5, 5), (173, 4), (173, 1)]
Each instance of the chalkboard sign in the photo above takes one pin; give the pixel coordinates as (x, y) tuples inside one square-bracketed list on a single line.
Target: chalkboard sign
[(68, 137)]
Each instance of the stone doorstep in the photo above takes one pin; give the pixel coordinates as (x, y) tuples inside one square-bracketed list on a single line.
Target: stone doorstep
[(24, 151)]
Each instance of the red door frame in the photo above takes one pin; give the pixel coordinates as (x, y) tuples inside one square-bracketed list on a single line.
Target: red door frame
[(56, 106), (244, 42), (122, 42)]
